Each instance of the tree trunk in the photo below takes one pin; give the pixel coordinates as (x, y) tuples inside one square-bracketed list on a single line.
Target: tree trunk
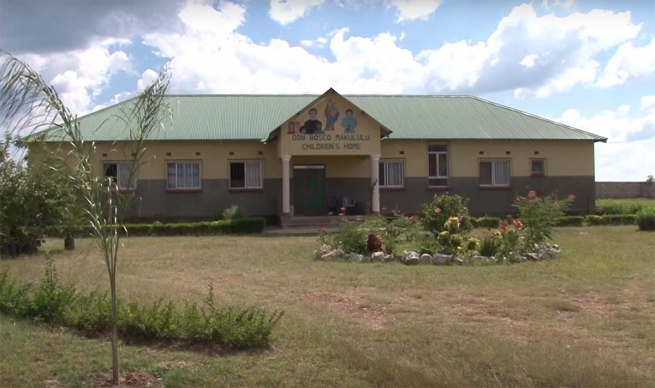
[(114, 331), (69, 243)]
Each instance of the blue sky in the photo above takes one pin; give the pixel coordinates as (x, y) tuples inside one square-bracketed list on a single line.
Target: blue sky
[(589, 64)]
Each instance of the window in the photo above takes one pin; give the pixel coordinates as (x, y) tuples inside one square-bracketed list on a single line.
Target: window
[(537, 167), (437, 165), (183, 175), (494, 173), (246, 174), (392, 174), (121, 174)]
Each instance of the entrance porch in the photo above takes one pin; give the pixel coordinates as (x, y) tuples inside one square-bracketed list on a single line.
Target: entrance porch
[(320, 186)]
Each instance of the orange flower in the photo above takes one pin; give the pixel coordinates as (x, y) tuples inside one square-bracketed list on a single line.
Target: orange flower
[(518, 224)]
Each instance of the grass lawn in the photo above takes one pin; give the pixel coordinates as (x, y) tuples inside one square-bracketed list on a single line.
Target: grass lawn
[(582, 320)]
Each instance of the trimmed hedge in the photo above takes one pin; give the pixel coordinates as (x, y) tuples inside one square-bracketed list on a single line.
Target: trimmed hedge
[(250, 225), (591, 220)]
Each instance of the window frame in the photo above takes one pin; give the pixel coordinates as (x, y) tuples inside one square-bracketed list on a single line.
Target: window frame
[(183, 161), (543, 167), (437, 153), (244, 161), (493, 161), (385, 162), (116, 184)]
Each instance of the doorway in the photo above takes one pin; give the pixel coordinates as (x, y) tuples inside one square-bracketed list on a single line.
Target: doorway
[(309, 190)]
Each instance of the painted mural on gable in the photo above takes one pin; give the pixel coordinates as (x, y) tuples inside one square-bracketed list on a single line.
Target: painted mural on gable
[(331, 126)]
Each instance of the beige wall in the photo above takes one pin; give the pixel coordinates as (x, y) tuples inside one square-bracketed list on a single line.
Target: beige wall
[(563, 158), (364, 141), (214, 156)]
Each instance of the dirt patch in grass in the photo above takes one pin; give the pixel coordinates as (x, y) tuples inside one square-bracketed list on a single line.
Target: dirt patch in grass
[(372, 316), (593, 304), (127, 380)]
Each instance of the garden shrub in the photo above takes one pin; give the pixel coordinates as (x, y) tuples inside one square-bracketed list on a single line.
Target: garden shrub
[(351, 238), (489, 245), (234, 213), (539, 215), (53, 302), (436, 214), (646, 219), (621, 219), (488, 222), (570, 221)]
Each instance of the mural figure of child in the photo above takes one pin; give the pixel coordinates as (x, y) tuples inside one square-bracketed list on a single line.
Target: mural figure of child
[(349, 123)]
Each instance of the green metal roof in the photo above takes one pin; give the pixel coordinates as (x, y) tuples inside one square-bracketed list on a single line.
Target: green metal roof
[(243, 117)]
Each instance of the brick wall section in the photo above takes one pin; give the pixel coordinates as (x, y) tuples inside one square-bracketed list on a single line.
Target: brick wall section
[(625, 190)]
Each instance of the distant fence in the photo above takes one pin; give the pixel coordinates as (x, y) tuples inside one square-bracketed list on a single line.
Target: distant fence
[(625, 190)]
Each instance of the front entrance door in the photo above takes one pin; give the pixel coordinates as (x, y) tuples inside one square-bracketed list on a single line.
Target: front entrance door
[(309, 190)]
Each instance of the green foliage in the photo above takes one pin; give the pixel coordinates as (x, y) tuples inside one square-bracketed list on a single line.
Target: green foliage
[(32, 200), (234, 213), (510, 235), (436, 214), (400, 229), (428, 245), (489, 245), (646, 219), (570, 221), (250, 225), (613, 206), (539, 215), (351, 237), (486, 222), (54, 302)]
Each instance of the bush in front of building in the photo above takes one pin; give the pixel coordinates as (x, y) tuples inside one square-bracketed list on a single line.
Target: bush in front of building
[(249, 225), (646, 219), (434, 215), (570, 221), (53, 302)]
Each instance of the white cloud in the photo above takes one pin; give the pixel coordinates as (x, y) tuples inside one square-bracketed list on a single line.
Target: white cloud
[(80, 75), (648, 102), (628, 153), (288, 11), (408, 10), (528, 61), (318, 42), (628, 62)]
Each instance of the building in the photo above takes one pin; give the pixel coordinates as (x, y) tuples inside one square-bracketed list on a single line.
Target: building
[(302, 155)]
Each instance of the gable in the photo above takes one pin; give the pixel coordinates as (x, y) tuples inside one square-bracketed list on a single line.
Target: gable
[(330, 125)]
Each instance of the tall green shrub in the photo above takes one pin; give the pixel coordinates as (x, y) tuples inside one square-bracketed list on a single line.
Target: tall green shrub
[(540, 214), (436, 214), (646, 219)]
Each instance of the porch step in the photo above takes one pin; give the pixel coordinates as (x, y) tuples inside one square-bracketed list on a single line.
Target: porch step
[(317, 221)]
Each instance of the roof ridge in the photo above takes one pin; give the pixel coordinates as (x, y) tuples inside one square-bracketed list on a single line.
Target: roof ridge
[(315, 95), (539, 117)]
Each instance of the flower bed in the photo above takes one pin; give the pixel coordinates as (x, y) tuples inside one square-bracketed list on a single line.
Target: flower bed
[(442, 235)]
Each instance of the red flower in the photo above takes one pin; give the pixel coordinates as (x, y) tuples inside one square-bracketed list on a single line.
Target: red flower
[(437, 210), (572, 197), (518, 224), (503, 225)]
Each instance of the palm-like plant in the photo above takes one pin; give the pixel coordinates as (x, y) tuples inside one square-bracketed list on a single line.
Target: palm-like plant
[(28, 103)]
